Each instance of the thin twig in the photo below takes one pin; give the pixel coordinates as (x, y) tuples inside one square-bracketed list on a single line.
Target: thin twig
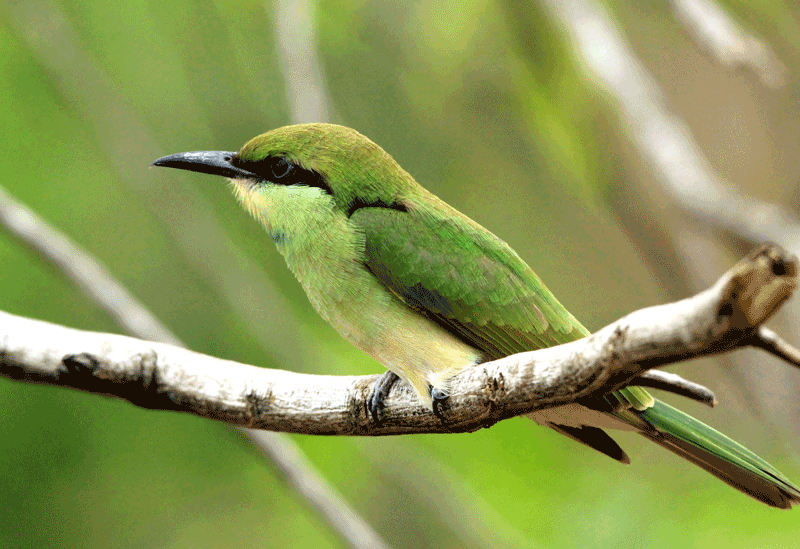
[(673, 383), (90, 275), (766, 339)]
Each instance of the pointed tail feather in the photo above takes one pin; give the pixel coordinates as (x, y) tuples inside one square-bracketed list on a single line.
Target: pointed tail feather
[(594, 438), (719, 455)]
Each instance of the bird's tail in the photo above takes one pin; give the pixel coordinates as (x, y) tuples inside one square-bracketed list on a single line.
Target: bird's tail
[(719, 455)]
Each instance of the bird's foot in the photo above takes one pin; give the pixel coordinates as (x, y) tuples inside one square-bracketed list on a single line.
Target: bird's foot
[(439, 398), (380, 390)]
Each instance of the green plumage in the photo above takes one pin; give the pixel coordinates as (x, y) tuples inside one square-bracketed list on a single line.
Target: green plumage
[(429, 292), (466, 277)]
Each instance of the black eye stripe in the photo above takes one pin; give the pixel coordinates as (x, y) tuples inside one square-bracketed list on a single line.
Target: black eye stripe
[(279, 170), (282, 171)]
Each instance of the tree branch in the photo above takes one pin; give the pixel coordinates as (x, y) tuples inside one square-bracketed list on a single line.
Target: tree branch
[(673, 383), (159, 376), (766, 339)]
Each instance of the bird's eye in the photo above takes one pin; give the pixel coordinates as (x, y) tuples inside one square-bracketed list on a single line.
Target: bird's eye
[(281, 168)]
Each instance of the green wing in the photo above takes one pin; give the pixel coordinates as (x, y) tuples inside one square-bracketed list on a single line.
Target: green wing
[(464, 278)]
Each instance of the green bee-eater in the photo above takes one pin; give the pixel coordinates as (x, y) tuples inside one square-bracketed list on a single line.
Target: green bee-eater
[(427, 291)]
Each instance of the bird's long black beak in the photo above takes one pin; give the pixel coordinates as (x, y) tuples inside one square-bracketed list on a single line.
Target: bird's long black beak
[(211, 162)]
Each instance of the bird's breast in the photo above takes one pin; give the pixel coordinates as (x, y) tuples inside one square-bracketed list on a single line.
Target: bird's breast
[(326, 253)]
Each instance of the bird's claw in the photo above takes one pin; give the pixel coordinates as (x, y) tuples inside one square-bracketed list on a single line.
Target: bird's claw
[(380, 390), (439, 398)]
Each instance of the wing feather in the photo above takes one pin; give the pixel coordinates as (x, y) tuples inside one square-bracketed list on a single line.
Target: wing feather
[(465, 279)]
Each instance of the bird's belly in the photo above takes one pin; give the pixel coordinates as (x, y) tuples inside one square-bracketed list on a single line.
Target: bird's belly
[(374, 320), (366, 313)]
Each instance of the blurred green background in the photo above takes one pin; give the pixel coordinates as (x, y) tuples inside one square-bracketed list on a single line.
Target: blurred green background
[(484, 104)]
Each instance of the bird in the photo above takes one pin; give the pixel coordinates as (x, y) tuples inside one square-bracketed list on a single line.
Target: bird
[(428, 292)]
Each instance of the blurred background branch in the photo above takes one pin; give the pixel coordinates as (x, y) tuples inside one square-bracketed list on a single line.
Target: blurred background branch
[(731, 44)]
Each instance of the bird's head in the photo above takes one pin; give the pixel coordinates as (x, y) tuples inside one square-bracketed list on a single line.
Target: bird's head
[(294, 166)]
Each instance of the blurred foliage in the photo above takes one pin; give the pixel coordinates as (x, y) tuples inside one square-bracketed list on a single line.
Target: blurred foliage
[(482, 102)]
